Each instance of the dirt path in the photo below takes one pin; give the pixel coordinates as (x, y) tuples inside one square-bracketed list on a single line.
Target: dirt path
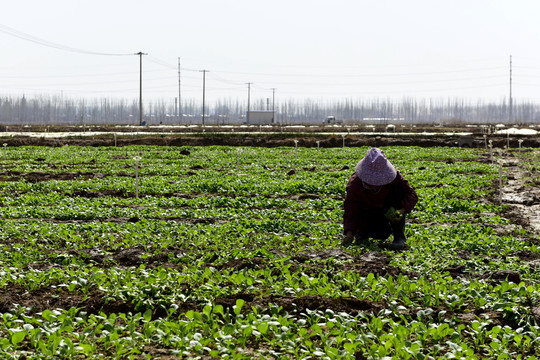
[(522, 192)]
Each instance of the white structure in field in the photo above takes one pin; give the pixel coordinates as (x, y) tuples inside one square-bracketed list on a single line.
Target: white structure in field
[(260, 117)]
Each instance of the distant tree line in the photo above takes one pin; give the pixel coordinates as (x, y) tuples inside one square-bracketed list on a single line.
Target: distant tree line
[(52, 110)]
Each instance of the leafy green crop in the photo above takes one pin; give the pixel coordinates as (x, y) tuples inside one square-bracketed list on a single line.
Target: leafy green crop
[(235, 253)]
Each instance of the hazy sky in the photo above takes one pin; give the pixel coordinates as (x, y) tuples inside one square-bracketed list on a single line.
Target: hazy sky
[(322, 50)]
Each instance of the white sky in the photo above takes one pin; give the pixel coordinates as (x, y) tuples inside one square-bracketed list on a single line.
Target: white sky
[(318, 49)]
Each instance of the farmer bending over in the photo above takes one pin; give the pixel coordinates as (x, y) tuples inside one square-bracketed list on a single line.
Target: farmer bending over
[(377, 199)]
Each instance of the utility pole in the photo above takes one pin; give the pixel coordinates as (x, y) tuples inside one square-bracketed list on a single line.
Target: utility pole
[(510, 102), (203, 92), (249, 95), (140, 53), (180, 114), (273, 105)]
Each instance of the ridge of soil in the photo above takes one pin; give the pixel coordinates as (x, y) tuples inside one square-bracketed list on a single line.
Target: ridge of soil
[(273, 136)]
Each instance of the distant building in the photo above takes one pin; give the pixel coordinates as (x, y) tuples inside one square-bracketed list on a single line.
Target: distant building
[(260, 117)]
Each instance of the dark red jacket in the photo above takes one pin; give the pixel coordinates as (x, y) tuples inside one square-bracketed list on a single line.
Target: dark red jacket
[(398, 194)]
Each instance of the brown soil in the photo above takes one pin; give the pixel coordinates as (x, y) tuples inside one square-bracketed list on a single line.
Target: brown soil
[(271, 137), (521, 192)]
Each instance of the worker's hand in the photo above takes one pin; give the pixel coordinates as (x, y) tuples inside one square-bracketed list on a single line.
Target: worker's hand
[(394, 215)]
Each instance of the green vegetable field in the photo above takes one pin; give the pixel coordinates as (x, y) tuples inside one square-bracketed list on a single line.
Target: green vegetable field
[(149, 252)]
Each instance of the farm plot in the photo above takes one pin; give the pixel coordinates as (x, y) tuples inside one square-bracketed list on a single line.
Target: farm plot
[(149, 252)]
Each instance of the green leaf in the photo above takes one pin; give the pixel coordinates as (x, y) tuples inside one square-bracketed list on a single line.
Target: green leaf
[(148, 315), (248, 330), (263, 328), (228, 329), (46, 314), (350, 347), (218, 309), (238, 307), (85, 349), (17, 337)]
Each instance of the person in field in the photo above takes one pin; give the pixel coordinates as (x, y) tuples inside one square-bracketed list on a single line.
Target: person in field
[(376, 202)]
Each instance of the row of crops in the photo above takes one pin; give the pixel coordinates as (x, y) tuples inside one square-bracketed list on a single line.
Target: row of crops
[(145, 252)]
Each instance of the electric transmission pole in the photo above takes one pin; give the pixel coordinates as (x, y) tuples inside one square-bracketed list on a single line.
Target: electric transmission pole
[(180, 114), (249, 95), (203, 92), (511, 101), (273, 105), (140, 53)]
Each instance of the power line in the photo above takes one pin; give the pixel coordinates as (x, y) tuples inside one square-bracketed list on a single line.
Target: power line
[(21, 35), (155, 60), (349, 75), (226, 81)]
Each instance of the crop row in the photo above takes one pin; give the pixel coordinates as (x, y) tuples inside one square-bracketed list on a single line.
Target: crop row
[(200, 252)]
